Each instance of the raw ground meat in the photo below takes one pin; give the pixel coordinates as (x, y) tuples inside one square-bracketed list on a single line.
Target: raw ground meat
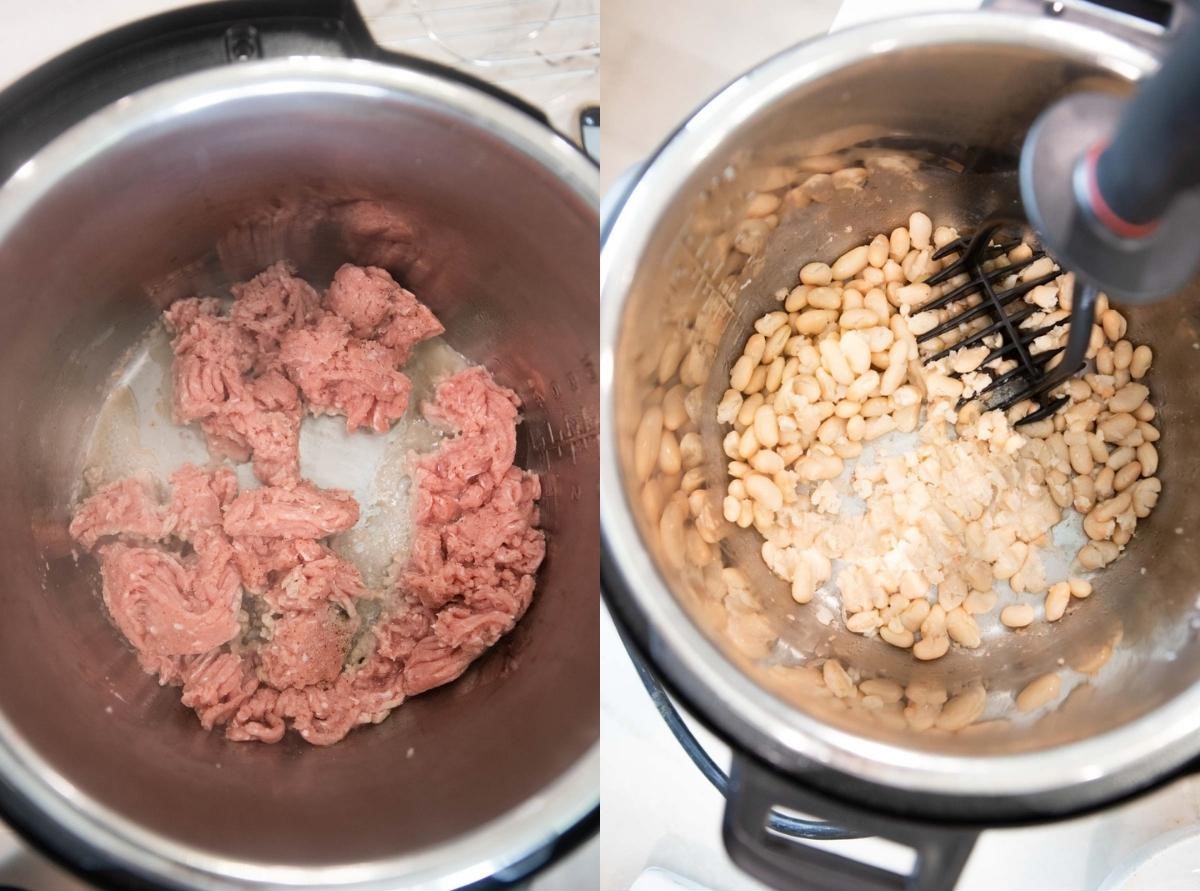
[(236, 596), (242, 416), (128, 507), (262, 561), (311, 583), (269, 305), (168, 606), (303, 511), (306, 647), (198, 498), (241, 376), (375, 306), (339, 373)]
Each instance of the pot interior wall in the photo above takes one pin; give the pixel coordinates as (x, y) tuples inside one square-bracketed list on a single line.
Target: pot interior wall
[(210, 193), (939, 129)]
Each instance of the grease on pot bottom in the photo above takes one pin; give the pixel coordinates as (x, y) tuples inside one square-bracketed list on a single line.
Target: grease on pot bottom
[(235, 594)]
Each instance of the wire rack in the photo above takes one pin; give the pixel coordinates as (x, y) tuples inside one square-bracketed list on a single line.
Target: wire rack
[(545, 51)]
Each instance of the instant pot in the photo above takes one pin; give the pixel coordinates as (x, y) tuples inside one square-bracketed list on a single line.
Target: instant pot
[(930, 112), (172, 157)]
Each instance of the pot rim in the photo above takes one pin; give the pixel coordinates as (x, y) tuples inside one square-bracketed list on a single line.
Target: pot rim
[(74, 826), (1095, 769)]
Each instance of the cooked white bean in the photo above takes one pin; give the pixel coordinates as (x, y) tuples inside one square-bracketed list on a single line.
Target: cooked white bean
[(962, 628), (669, 459), (1143, 356), (1147, 456), (877, 251), (857, 352), (856, 426), (915, 614), (858, 319), (836, 679), (763, 490), (816, 274), (1113, 323), (1145, 496), (898, 637), (804, 583), (1098, 554), (766, 427), (674, 412), (815, 467), (747, 444), (918, 265), (1017, 615), (1127, 476), (763, 204), (1128, 398), (962, 710), (1057, 599), (745, 415), (743, 369), (691, 449), (768, 325), (886, 690), (864, 385), (730, 404), (849, 178), (929, 648), (1039, 692), (825, 298), (860, 623), (850, 263), (1123, 355), (813, 321), (646, 443), (920, 228), (835, 362), (878, 426)]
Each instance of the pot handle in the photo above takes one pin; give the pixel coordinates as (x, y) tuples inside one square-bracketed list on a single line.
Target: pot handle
[(65, 90), (754, 790)]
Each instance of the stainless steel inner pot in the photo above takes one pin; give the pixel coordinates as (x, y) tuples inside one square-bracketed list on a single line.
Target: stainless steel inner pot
[(180, 189), (936, 107)]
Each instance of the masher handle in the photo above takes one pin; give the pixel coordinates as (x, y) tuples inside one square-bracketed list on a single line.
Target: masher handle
[(1155, 153)]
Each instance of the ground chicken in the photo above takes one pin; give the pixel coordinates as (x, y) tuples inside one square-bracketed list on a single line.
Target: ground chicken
[(183, 579)]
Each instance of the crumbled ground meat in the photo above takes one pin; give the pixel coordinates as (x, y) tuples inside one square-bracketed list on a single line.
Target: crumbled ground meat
[(342, 374), (198, 497), (375, 306), (303, 511), (306, 647), (171, 606), (128, 507), (175, 573), (269, 305)]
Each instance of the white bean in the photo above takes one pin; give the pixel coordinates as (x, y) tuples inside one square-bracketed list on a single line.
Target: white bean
[(1039, 692), (763, 490), (646, 443), (1017, 615), (920, 228), (850, 263)]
